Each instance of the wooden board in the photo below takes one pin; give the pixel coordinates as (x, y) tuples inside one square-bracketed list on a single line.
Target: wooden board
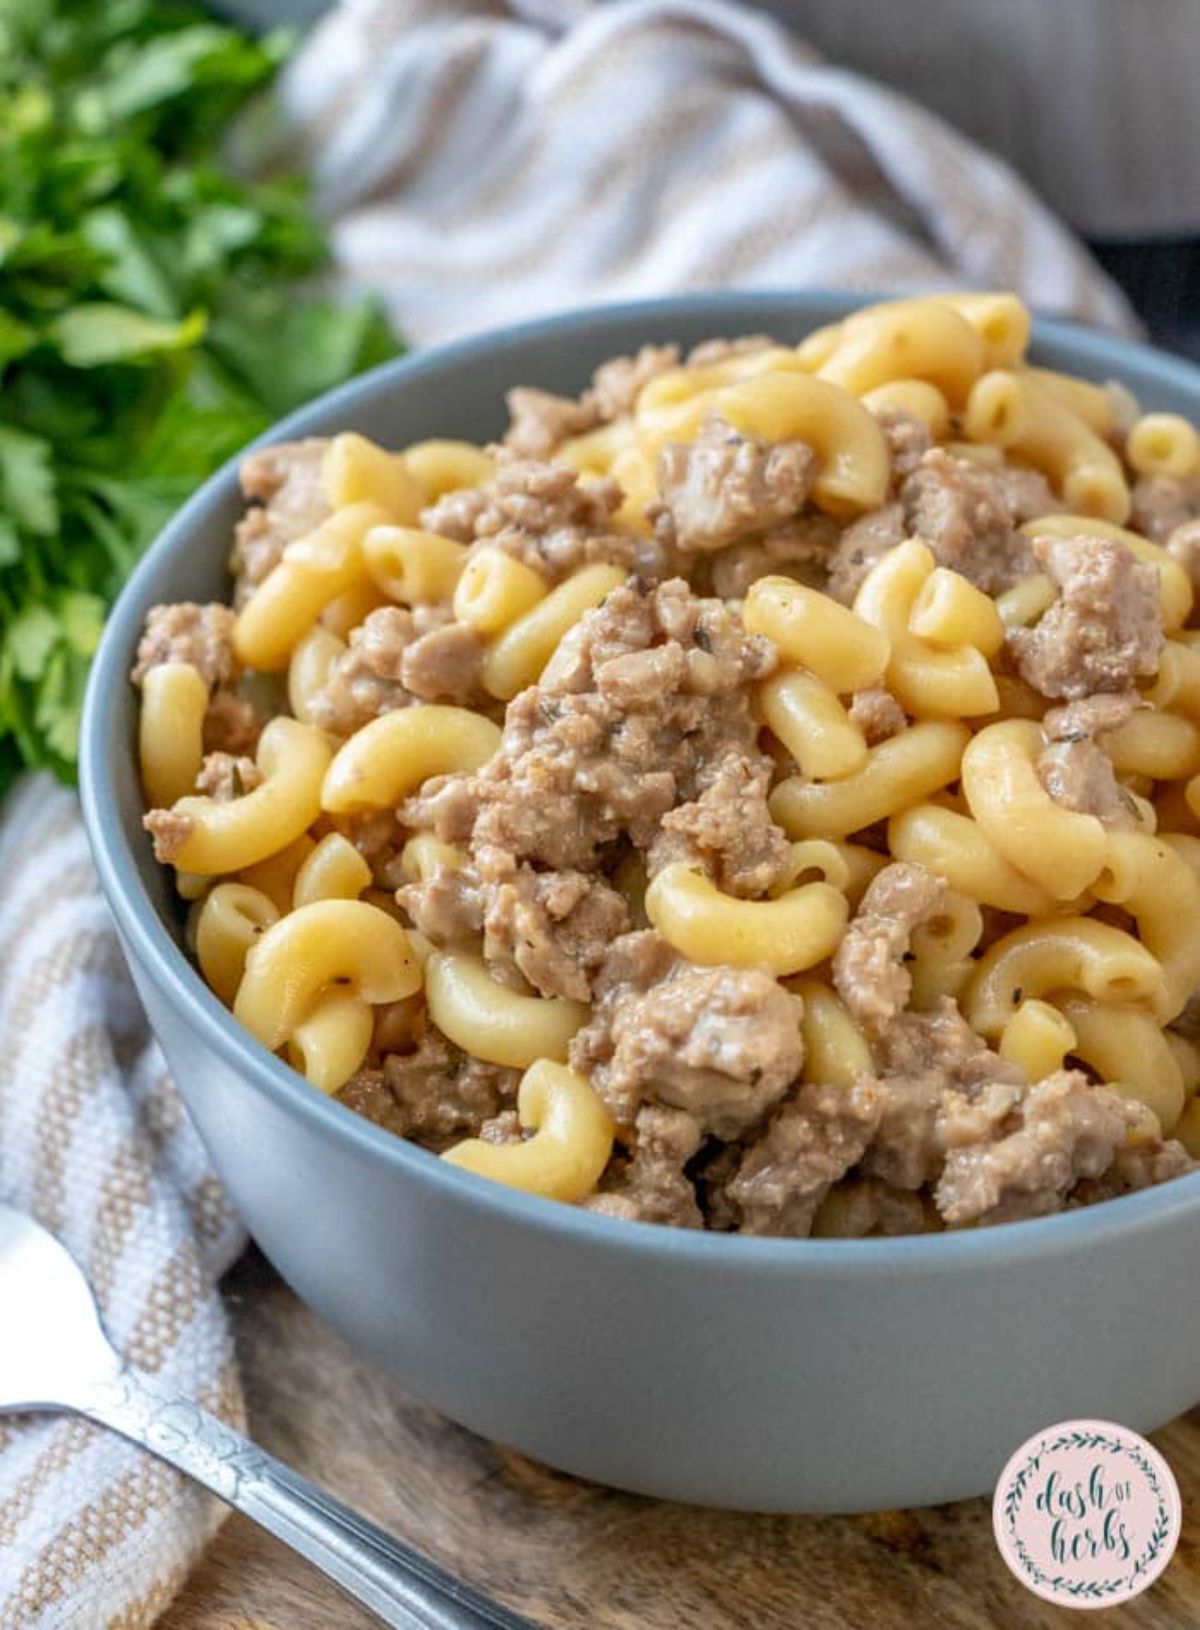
[(576, 1557)]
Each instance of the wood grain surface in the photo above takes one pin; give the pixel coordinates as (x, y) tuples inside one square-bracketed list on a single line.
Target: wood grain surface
[(576, 1557)]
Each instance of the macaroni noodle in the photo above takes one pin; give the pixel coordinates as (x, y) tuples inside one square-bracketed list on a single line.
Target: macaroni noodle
[(1164, 444), (835, 1049), (1061, 850), (224, 837), (413, 567), (493, 590), (898, 772), (1017, 413), (572, 1138), (390, 757), (312, 573), (343, 945), (786, 935), (230, 921), (490, 1020), (810, 629), (1037, 1039), (171, 731), (516, 658), (356, 471)]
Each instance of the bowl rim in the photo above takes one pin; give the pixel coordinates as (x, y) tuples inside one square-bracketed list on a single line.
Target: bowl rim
[(180, 984)]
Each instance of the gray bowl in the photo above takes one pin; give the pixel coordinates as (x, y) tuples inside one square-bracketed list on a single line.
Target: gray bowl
[(813, 1375)]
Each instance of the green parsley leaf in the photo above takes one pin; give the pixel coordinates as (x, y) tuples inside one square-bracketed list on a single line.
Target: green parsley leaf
[(92, 334), (27, 481), (132, 274), (155, 314), (31, 638)]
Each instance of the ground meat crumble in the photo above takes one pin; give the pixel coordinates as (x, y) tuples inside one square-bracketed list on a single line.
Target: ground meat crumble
[(548, 517), (395, 657), (717, 488), (869, 970), (721, 1043), (642, 703), (1103, 633), (542, 421), (287, 502), (201, 636), (968, 515), (640, 746), (436, 1094)]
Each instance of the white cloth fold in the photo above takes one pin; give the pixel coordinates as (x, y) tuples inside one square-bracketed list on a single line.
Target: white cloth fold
[(481, 167), (95, 1142), (478, 164)]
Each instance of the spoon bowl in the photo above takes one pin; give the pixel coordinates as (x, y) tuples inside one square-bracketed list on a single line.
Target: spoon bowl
[(52, 1349)]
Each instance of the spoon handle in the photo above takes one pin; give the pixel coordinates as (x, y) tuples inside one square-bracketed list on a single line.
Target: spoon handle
[(402, 1587)]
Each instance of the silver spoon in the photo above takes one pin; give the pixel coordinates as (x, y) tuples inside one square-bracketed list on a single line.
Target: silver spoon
[(54, 1355)]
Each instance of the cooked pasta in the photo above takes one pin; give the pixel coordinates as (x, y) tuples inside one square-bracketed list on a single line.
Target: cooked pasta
[(761, 793)]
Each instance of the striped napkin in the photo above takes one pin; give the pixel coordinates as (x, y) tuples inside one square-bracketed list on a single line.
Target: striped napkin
[(479, 164), (484, 163), (94, 1142)]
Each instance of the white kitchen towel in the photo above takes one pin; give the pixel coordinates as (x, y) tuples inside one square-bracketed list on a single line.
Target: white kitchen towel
[(94, 1142), (478, 164), (484, 163)]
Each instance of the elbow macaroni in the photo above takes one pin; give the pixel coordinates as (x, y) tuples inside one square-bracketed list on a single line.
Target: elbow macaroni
[(1095, 404), (1016, 413), (900, 771), (572, 1138), (390, 757), (1061, 850), (331, 1042), (493, 590), (412, 567), (835, 1049), (948, 612), (786, 935), (1037, 1039), (1154, 881), (1164, 444), (812, 724), (516, 658), (441, 466), (928, 678), (493, 1022), (231, 919), (171, 732), (350, 608), (308, 669), (313, 572), (917, 398), (312, 978), (333, 870), (357, 471), (1001, 321), (957, 847), (841, 648), (224, 837), (1129, 1050), (906, 339), (1060, 954)]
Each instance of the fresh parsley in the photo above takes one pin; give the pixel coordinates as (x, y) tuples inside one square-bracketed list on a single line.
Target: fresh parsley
[(156, 312)]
